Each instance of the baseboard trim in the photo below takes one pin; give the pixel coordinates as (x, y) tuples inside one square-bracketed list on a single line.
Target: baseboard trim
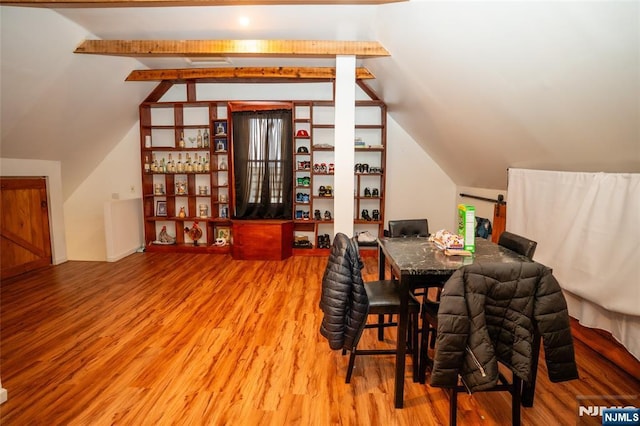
[(603, 344)]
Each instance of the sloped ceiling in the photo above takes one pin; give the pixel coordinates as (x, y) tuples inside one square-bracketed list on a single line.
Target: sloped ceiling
[(481, 86)]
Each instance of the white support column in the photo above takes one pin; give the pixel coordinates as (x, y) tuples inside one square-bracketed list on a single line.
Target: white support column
[(343, 179)]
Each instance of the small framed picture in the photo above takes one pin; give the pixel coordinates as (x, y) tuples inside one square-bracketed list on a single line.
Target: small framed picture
[(161, 208), (220, 128), (223, 232), (223, 236), (221, 145)]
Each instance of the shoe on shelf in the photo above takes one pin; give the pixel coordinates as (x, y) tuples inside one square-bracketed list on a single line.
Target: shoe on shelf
[(367, 192), (366, 237), (317, 215), (375, 214), (327, 215), (375, 192)]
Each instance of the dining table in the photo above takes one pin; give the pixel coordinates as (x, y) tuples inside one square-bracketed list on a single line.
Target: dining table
[(418, 263)]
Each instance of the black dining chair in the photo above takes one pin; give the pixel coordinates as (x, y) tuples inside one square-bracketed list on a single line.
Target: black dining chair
[(429, 314), (379, 298), (518, 243), (408, 228)]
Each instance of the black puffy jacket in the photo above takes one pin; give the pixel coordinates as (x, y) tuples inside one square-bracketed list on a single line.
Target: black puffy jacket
[(486, 315), (344, 299)]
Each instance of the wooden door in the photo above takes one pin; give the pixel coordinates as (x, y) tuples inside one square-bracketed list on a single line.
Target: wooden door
[(24, 225)]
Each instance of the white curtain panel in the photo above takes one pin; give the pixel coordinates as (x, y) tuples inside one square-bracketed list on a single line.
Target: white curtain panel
[(587, 226)]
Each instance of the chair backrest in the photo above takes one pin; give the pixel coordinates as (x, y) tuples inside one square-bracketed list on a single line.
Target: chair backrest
[(409, 228), (518, 243)]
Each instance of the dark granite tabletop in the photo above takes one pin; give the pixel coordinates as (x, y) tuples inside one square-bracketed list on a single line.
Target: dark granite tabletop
[(419, 256)]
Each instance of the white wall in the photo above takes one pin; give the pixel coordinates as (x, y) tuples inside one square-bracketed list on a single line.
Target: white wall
[(116, 177), (416, 186), (52, 171)]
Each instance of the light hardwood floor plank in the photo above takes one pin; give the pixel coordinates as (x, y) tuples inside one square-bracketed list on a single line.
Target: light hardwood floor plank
[(164, 339)]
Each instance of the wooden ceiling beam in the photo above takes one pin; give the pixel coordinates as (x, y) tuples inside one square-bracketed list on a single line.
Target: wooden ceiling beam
[(154, 3), (232, 48), (243, 73)]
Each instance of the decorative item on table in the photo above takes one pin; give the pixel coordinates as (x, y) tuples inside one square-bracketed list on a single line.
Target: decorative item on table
[(467, 226), (203, 211), (195, 232), (182, 212), (164, 238), (451, 244), (181, 187)]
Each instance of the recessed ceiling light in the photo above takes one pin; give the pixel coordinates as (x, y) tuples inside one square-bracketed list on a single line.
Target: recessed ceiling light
[(244, 21), (208, 62)]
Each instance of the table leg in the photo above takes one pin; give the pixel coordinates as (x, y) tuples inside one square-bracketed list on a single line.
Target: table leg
[(381, 264)]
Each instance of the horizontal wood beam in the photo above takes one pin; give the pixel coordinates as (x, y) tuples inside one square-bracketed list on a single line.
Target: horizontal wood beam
[(148, 3), (237, 48), (243, 73)]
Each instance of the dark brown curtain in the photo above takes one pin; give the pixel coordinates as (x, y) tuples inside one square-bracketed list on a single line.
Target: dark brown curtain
[(263, 164)]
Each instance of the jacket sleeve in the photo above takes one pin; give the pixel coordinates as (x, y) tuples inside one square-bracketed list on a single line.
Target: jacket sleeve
[(334, 300), (452, 333), (358, 308), (552, 317)]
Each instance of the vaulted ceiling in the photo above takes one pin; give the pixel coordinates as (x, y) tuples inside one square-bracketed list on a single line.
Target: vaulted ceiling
[(481, 86)]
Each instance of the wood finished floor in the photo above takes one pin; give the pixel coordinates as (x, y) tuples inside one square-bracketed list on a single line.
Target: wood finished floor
[(161, 339)]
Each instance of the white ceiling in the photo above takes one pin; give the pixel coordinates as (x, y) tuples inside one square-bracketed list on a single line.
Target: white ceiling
[(481, 86)]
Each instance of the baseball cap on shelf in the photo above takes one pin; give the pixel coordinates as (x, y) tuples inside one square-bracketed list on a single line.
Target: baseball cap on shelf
[(302, 133)]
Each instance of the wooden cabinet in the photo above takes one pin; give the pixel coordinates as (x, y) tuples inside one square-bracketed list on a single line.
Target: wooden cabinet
[(184, 173), (262, 239)]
